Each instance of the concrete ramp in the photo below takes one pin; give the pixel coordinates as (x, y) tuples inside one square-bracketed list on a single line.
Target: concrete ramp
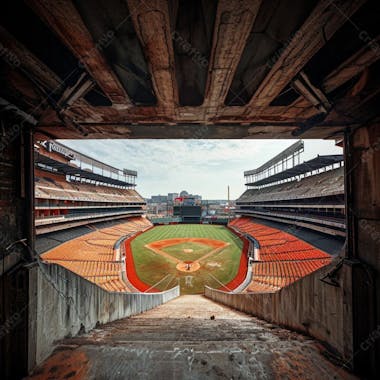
[(193, 306), (190, 337)]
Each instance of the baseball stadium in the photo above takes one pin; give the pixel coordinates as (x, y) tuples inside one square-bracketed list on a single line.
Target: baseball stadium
[(120, 249), (97, 281), (91, 225)]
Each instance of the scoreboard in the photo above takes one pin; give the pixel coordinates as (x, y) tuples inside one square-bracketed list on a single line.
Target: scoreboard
[(189, 214)]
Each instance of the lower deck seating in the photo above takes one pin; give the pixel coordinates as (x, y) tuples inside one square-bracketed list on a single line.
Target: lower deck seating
[(92, 255), (282, 258)]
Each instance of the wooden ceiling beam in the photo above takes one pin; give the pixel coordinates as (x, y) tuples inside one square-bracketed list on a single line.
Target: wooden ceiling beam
[(350, 68), (352, 106), (20, 90), (179, 131), (28, 63), (152, 23), (233, 24), (313, 94), (325, 20), (362, 59), (63, 18)]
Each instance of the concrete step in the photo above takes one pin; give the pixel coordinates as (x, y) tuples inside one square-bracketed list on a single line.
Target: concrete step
[(178, 330), (190, 337), (193, 306)]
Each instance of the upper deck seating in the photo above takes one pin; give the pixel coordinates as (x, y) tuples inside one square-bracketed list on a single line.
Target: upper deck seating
[(325, 184), (54, 186)]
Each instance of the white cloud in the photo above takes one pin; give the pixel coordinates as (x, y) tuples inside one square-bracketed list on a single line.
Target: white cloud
[(203, 167)]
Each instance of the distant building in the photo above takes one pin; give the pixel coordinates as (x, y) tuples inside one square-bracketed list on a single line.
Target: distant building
[(159, 198), (172, 196)]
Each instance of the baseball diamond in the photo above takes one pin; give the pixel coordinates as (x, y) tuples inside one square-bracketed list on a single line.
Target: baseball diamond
[(189, 254)]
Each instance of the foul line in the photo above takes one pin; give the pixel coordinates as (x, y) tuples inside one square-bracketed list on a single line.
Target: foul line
[(177, 261)]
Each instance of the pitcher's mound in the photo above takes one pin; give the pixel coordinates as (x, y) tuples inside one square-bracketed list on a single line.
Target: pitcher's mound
[(188, 250), (188, 267)]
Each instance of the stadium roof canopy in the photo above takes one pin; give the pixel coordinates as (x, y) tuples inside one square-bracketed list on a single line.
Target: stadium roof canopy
[(74, 171), (72, 154), (306, 167), (294, 149)]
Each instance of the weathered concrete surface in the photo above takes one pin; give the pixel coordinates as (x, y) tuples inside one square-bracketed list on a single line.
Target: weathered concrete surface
[(308, 305), (179, 340), (14, 225), (363, 231), (64, 304), (196, 307)]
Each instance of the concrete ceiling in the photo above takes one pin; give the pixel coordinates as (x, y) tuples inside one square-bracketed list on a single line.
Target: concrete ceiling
[(191, 69)]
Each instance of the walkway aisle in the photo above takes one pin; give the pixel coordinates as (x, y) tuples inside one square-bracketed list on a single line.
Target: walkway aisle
[(190, 337)]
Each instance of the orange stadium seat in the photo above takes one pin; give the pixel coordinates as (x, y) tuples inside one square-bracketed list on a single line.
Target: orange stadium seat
[(283, 258), (92, 255)]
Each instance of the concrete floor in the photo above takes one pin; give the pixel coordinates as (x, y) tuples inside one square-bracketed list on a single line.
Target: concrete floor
[(190, 337)]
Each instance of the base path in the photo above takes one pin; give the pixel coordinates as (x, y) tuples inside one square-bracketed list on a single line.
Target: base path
[(190, 337), (157, 246)]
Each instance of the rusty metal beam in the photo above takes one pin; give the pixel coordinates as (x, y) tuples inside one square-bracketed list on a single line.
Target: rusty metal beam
[(326, 19), (152, 24), (63, 18), (233, 23)]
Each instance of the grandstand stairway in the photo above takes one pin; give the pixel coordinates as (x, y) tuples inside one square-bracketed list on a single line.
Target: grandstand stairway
[(190, 337)]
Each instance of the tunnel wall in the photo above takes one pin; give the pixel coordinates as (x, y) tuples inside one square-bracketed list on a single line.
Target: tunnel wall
[(64, 304), (309, 306), (16, 227), (363, 230)]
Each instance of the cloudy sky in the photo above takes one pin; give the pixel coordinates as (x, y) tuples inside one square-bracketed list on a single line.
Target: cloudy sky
[(204, 167)]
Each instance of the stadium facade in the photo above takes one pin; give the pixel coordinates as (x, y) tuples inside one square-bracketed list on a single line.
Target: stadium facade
[(72, 189), (309, 194)]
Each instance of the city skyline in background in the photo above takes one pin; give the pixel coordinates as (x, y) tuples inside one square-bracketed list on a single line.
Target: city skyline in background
[(204, 167)]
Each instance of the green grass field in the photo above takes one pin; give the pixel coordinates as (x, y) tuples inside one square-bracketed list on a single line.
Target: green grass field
[(161, 272), (177, 251)]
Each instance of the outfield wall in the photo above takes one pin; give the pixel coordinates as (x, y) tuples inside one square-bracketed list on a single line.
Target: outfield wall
[(64, 304)]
